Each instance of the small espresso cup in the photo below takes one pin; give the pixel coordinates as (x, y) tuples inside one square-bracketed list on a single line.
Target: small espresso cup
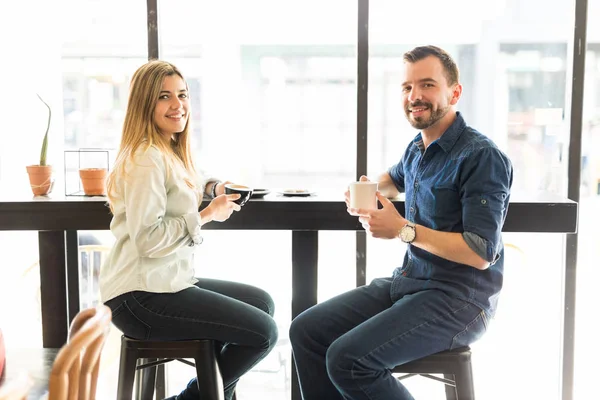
[(363, 195), (244, 191)]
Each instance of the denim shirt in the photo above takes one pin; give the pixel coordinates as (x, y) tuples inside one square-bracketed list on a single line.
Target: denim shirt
[(460, 183)]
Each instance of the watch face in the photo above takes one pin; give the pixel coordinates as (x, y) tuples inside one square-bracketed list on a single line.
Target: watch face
[(407, 234)]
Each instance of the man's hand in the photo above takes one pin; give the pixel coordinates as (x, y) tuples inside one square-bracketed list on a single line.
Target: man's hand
[(383, 223)]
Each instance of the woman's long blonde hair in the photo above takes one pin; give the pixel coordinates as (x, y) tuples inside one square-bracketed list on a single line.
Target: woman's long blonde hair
[(140, 129)]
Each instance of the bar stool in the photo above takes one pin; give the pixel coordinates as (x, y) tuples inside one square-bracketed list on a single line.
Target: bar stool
[(455, 365), (153, 354)]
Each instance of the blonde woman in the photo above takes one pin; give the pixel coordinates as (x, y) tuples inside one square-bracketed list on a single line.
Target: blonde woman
[(148, 278)]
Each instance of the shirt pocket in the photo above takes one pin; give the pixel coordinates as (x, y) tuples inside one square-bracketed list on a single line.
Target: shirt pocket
[(446, 207)]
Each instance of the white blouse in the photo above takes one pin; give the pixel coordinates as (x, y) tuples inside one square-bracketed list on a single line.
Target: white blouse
[(156, 224)]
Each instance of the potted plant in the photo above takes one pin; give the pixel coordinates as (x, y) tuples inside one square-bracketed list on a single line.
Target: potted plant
[(93, 181), (40, 176)]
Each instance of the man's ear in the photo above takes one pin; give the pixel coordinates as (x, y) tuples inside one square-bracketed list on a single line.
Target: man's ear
[(456, 93)]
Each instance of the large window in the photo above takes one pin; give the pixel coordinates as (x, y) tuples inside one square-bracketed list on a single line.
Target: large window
[(586, 350), (274, 106), (275, 96), (516, 79), (273, 91)]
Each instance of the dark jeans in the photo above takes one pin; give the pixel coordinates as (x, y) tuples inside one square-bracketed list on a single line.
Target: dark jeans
[(237, 316), (345, 347)]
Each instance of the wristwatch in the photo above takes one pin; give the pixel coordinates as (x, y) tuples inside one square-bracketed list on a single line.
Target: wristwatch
[(213, 189), (408, 233)]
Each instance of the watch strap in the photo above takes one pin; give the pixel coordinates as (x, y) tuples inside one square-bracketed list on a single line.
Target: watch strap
[(213, 189)]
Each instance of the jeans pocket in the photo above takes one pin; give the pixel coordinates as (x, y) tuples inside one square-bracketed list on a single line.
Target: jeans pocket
[(472, 332), (128, 323)]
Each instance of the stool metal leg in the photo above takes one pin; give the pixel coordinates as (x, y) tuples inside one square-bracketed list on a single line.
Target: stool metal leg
[(464, 382), (137, 394), (147, 379), (126, 373), (161, 381), (210, 382), (450, 390)]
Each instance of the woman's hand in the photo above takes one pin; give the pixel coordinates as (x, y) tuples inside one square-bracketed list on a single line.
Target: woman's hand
[(220, 208)]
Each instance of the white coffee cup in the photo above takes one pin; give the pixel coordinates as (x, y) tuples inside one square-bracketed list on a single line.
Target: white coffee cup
[(363, 195)]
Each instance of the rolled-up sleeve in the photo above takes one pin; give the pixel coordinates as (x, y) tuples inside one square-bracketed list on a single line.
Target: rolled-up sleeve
[(154, 234), (485, 191), (203, 178)]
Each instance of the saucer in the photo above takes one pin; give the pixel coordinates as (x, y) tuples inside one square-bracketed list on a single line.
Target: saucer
[(296, 192), (260, 193)]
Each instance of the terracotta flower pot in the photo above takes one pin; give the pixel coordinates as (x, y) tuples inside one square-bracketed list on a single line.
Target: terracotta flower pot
[(40, 179), (93, 181)]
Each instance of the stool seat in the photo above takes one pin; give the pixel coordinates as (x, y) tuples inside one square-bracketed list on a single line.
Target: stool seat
[(156, 353), (454, 364)]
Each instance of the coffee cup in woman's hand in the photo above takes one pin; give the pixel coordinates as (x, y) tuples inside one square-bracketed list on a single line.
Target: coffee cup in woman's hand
[(244, 191)]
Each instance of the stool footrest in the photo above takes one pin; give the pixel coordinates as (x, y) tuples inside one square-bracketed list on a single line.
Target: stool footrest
[(449, 382), (154, 363)]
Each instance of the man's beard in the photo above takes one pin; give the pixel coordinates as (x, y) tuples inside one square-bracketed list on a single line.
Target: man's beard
[(422, 122)]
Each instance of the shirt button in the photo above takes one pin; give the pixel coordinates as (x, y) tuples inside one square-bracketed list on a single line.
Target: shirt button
[(483, 201), (416, 184), (412, 210)]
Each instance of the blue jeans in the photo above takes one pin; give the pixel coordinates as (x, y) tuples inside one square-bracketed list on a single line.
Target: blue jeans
[(345, 347), (237, 316)]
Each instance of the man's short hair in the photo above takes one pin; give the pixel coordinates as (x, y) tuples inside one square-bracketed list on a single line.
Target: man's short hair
[(421, 52)]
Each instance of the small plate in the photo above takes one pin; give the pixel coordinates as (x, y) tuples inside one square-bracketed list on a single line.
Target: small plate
[(296, 192), (260, 193)]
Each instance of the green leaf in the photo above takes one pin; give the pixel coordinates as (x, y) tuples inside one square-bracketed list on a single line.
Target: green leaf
[(44, 151)]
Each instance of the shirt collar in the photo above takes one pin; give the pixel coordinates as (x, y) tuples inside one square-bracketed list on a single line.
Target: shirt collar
[(448, 138)]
